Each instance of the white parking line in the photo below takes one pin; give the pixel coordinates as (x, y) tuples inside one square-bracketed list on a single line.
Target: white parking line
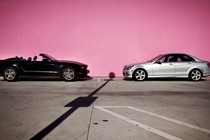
[(172, 120), (163, 117), (141, 125)]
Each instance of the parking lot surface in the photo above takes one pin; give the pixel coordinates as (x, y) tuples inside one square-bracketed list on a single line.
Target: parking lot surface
[(105, 109)]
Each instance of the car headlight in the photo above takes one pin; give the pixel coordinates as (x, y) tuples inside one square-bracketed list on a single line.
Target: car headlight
[(128, 67)]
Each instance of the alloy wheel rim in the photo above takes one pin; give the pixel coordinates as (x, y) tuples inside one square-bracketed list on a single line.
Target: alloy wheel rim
[(140, 75), (68, 74), (196, 75), (10, 74)]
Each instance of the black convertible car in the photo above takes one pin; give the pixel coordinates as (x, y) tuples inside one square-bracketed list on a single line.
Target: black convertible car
[(12, 68)]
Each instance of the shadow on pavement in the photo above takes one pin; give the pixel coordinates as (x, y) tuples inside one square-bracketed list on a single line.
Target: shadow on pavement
[(75, 104), (164, 79), (46, 78)]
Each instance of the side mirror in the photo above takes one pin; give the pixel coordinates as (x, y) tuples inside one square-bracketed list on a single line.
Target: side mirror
[(158, 62)]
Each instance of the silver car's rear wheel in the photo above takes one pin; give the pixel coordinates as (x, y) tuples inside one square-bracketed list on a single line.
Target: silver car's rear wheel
[(69, 74), (195, 75), (10, 74), (139, 75)]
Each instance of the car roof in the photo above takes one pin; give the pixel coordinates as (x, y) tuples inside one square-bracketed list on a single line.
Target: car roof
[(177, 54)]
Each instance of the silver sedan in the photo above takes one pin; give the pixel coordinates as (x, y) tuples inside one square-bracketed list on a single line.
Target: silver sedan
[(169, 65)]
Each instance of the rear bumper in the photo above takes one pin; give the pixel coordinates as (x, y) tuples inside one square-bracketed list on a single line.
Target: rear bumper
[(206, 74)]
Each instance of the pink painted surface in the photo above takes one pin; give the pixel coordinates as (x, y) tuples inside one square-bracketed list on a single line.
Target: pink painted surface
[(105, 34)]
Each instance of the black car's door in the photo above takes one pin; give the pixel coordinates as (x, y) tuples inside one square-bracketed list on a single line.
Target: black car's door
[(40, 68)]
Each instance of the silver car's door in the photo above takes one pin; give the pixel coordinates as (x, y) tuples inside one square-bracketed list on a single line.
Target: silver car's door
[(183, 64), (181, 68), (164, 67)]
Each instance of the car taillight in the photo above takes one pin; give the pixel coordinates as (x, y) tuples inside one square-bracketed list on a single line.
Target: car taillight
[(208, 64)]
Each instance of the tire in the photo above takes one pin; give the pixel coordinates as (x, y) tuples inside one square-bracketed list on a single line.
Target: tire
[(139, 75), (10, 74), (69, 74), (195, 75)]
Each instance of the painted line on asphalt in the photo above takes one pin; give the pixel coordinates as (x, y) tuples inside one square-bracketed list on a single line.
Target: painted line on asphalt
[(141, 125), (172, 120), (163, 117)]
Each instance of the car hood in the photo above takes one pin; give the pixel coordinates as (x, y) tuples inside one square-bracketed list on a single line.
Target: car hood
[(71, 62), (139, 63)]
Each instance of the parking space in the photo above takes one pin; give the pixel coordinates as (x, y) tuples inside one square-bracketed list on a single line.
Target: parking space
[(155, 123), (105, 109)]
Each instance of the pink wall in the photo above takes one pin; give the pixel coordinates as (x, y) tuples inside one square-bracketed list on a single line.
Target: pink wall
[(105, 34)]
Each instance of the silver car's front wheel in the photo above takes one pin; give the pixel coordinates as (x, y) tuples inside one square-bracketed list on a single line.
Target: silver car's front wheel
[(69, 74), (195, 75), (139, 75)]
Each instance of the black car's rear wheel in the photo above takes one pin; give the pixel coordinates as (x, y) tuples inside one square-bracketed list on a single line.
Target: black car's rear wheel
[(69, 74), (139, 75), (10, 74)]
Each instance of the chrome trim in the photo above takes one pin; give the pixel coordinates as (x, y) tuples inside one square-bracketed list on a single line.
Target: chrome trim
[(40, 71)]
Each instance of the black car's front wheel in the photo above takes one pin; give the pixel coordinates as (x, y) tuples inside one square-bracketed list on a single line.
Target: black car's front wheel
[(139, 75), (69, 74), (10, 74)]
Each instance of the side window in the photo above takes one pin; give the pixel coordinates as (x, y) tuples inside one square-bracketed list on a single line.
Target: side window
[(162, 60), (171, 58), (179, 59), (175, 58), (186, 58), (168, 58)]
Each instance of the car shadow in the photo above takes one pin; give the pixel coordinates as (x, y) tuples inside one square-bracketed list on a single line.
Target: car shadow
[(164, 79), (82, 101), (45, 78)]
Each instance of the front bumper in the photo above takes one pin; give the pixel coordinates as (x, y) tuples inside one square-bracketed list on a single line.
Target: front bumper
[(84, 73), (127, 73)]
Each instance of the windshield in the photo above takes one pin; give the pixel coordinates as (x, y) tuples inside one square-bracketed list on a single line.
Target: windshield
[(48, 56), (155, 58), (52, 58)]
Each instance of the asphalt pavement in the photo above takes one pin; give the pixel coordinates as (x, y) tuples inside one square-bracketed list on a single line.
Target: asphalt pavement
[(105, 109)]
